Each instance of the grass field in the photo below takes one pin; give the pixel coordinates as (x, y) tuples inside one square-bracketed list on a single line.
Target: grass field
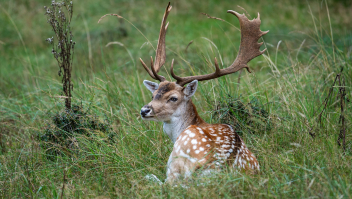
[(308, 44)]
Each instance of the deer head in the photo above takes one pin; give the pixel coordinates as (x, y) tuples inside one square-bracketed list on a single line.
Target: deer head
[(171, 99)]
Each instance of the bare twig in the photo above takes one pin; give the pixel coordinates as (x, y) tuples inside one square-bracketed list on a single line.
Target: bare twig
[(342, 135), (340, 80), (63, 185), (328, 97)]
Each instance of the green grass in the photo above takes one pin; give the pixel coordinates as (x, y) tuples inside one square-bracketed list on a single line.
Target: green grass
[(292, 79)]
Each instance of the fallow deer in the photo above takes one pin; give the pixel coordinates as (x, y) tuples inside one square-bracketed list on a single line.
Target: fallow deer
[(198, 144)]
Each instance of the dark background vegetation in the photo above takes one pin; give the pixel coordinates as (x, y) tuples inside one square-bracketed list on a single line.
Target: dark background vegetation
[(308, 44)]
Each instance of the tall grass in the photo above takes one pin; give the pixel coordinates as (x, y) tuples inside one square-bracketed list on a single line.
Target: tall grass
[(292, 79)]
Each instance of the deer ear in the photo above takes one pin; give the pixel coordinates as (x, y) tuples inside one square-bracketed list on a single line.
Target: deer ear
[(191, 89), (152, 86)]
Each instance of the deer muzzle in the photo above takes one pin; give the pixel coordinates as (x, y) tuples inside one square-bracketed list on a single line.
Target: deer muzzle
[(146, 111)]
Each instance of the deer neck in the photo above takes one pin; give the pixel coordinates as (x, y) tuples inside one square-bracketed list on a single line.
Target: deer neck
[(185, 116)]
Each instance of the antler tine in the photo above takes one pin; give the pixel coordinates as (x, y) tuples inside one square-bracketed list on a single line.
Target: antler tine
[(173, 74), (158, 77), (249, 49), (147, 69), (160, 55)]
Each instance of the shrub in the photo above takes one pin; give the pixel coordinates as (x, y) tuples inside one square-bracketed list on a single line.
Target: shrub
[(60, 134), (250, 117)]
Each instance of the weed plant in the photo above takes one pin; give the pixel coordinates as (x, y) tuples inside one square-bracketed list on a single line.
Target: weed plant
[(61, 131), (59, 16)]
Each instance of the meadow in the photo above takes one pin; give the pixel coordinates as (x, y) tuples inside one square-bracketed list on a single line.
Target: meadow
[(309, 43)]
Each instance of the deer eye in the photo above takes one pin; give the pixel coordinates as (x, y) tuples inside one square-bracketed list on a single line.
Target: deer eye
[(173, 99)]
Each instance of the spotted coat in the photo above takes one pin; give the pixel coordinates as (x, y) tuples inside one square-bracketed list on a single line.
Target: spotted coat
[(209, 147)]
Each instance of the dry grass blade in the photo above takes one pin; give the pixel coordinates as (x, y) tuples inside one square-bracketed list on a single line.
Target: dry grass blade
[(210, 17), (114, 42), (244, 11), (188, 45), (109, 15)]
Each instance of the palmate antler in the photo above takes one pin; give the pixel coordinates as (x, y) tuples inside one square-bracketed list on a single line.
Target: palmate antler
[(249, 49), (160, 51)]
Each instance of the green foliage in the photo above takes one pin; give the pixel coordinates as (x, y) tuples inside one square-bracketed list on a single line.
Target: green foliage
[(292, 80), (60, 134), (250, 117)]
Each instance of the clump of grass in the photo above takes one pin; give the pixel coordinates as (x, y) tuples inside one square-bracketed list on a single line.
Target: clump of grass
[(250, 117), (59, 137)]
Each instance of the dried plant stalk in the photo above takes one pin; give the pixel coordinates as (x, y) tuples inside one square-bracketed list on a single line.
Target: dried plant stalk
[(59, 16)]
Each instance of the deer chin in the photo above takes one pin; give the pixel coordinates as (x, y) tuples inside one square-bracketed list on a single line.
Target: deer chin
[(149, 118), (156, 118), (152, 118)]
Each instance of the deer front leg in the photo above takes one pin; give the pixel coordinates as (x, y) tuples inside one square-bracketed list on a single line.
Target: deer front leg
[(178, 167), (173, 173)]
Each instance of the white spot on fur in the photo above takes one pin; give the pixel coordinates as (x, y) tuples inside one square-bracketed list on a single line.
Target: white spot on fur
[(197, 151), (178, 148), (204, 140), (192, 135), (194, 146), (193, 160), (201, 148), (208, 145), (188, 150), (194, 141), (229, 127)]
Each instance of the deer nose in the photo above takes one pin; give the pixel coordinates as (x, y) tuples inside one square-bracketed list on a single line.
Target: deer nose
[(145, 110)]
